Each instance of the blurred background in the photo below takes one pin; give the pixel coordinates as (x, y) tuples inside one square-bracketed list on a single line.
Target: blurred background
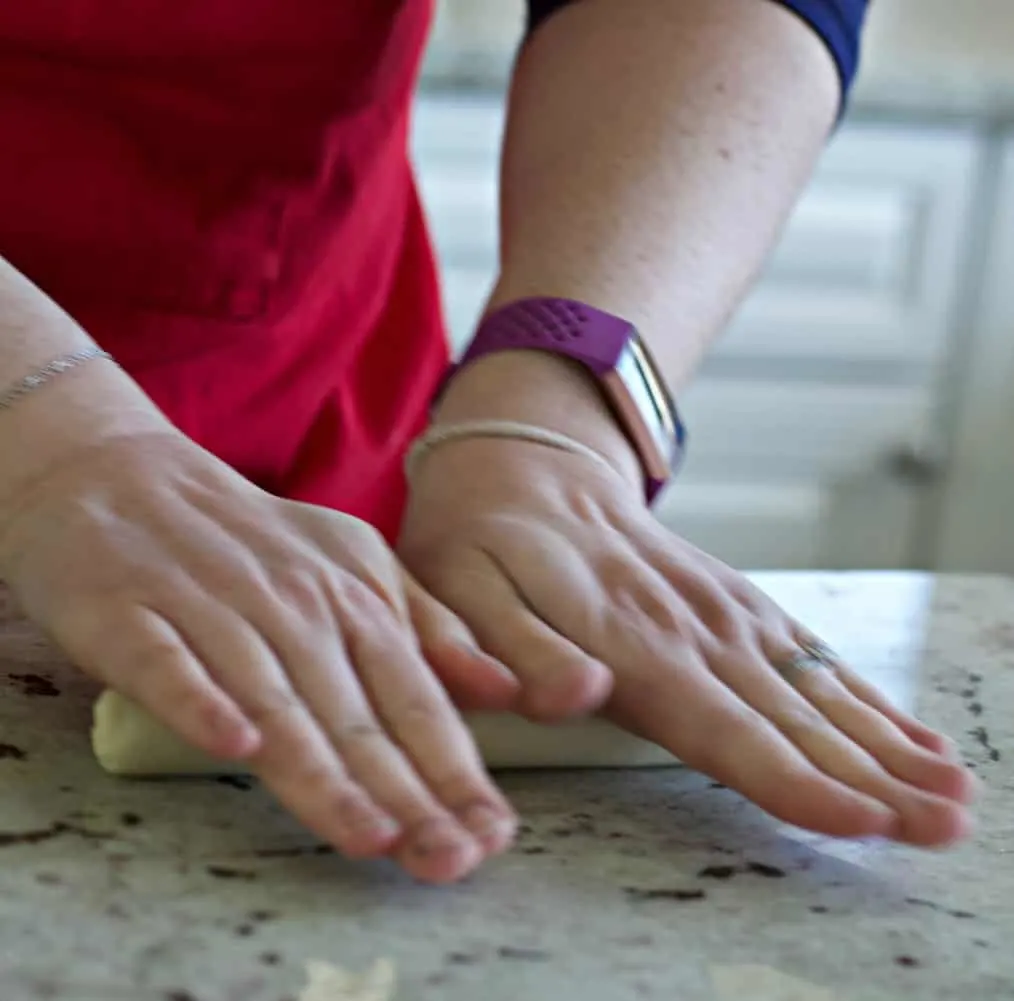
[(859, 411)]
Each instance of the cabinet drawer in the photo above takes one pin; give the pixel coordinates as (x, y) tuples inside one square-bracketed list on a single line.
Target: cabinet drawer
[(461, 203), (782, 524), (458, 127), (464, 292), (867, 267), (760, 429)]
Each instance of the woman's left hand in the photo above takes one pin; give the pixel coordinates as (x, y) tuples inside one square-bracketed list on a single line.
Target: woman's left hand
[(563, 574)]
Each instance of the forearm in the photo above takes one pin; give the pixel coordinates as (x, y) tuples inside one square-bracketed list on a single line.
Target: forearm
[(653, 152), (76, 408)]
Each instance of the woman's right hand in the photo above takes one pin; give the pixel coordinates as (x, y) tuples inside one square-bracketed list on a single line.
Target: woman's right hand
[(266, 630)]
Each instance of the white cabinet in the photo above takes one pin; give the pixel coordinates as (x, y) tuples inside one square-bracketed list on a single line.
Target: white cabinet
[(824, 396), (869, 263), (457, 144), (976, 500), (814, 422)]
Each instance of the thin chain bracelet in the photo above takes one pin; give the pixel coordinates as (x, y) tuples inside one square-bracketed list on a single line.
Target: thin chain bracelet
[(438, 436), (49, 371)]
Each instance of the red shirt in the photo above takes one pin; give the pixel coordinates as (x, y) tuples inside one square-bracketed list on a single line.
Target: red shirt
[(219, 191)]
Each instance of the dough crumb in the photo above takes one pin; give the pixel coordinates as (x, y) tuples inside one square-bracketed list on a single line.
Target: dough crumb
[(746, 982), (332, 983)]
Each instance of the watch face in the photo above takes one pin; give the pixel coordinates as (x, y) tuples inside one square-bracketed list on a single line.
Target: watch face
[(643, 403)]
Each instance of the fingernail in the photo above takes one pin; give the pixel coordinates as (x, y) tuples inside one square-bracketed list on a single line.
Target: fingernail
[(889, 823), (373, 823), (232, 737), (486, 823), (437, 838), (477, 653), (385, 827)]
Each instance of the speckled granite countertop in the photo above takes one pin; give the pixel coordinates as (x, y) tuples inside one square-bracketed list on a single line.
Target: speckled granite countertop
[(624, 886)]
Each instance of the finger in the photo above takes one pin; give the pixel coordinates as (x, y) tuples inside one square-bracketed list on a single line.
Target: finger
[(761, 606), (926, 819), (558, 678), (415, 709), (697, 582), (145, 659), (681, 706), (874, 730), (363, 636), (916, 731), (474, 679), (716, 592), (296, 760), (824, 741)]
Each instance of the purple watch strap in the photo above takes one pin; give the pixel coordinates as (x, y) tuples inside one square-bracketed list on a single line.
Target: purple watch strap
[(588, 335), (652, 488)]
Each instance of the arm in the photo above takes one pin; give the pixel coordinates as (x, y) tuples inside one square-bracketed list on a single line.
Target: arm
[(96, 400), (652, 153), (158, 571), (653, 150)]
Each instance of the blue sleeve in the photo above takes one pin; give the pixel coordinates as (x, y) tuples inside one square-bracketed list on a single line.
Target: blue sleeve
[(839, 24)]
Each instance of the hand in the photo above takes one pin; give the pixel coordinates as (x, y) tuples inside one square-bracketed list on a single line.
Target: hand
[(564, 576), (268, 630)]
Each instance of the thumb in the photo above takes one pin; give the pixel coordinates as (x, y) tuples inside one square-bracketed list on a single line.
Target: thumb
[(474, 680)]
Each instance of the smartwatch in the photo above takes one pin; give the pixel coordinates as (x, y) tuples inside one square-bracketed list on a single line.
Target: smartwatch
[(611, 349)]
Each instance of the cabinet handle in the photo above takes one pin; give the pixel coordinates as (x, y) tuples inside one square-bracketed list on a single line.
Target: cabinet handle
[(913, 465)]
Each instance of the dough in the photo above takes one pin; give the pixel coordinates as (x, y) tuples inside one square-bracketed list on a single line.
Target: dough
[(128, 741), (332, 983), (751, 981)]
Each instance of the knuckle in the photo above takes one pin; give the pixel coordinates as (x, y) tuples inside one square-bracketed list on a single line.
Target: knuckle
[(144, 660), (748, 596), (364, 549), (298, 770), (205, 706), (357, 597), (422, 712), (318, 594), (576, 682), (460, 788), (158, 662), (370, 538), (799, 720), (358, 734), (645, 601), (301, 591), (270, 704), (730, 623), (316, 779), (433, 613), (351, 804)]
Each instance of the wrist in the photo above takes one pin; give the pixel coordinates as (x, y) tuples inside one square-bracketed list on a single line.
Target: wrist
[(544, 390), (51, 426)]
